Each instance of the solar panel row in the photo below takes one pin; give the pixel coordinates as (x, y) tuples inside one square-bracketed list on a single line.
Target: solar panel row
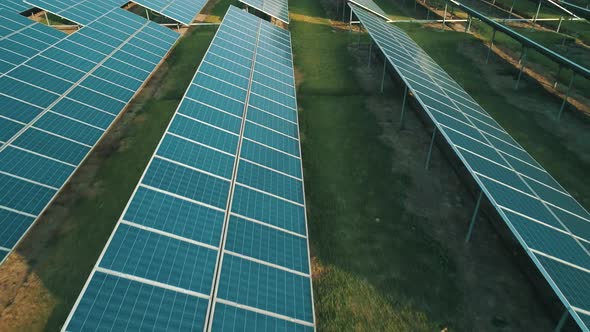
[(278, 9), (183, 11), (371, 6), (15, 6), (215, 230), (79, 11), (21, 38), (58, 103), (550, 224)]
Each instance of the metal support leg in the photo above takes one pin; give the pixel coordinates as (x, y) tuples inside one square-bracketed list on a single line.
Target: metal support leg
[(474, 217), (383, 76), (430, 149), (537, 13), (559, 25), (521, 62), (469, 23), (370, 51), (491, 46), (511, 8), (557, 78), (401, 120), (444, 18), (350, 21), (147, 14), (358, 45), (47, 19), (562, 321), (567, 94)]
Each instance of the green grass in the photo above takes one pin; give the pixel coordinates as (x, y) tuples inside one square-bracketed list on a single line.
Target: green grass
[(525, 124), (365, 279), (52, 19), (68, 256)]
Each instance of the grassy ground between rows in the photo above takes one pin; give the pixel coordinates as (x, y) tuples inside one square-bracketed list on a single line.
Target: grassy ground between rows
[(379, 265), (363, 280), (40, 281)]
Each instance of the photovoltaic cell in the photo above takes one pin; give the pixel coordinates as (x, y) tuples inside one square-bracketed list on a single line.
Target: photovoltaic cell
[(79, 11), (183, 11), (15, 6), (549, 223), (22, 38), (58, 101), (219, 214), (278, 9)]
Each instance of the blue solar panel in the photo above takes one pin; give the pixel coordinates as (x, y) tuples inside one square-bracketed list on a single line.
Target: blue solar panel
[(549, 223), (183, 11), (219, 173), (58, 102), (278, 9), (115, 303), (16, 6), (78, 11)]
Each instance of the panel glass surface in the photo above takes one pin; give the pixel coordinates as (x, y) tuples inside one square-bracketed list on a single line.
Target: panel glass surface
[(208, 185)]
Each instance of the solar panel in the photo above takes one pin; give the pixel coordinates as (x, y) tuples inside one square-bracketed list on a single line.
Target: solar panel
[(552, 227), (372, 7), (278, 9), (21, 38), (79, 11), (183, 11), (215, 236), (15, 6), (58, 103)]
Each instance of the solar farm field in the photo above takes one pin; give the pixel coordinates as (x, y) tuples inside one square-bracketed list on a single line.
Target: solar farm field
[(283, 169)]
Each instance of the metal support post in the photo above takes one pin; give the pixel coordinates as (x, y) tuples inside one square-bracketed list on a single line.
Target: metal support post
[(474, 217), (559, 25), (557, 78), (511, 8), (147, 14), (521, 62), (350, 21), (430, 149), (444, 18), (402, 118), (537, 13), (47, 19), (562, 321), (383, 75), (358, 45), (567, 94), (370, 51), (491, 46), (469, 23), (415, 4)]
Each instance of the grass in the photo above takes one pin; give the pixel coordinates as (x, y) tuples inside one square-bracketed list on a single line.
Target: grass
[(64, 245), (357, 222), (526, 122)]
